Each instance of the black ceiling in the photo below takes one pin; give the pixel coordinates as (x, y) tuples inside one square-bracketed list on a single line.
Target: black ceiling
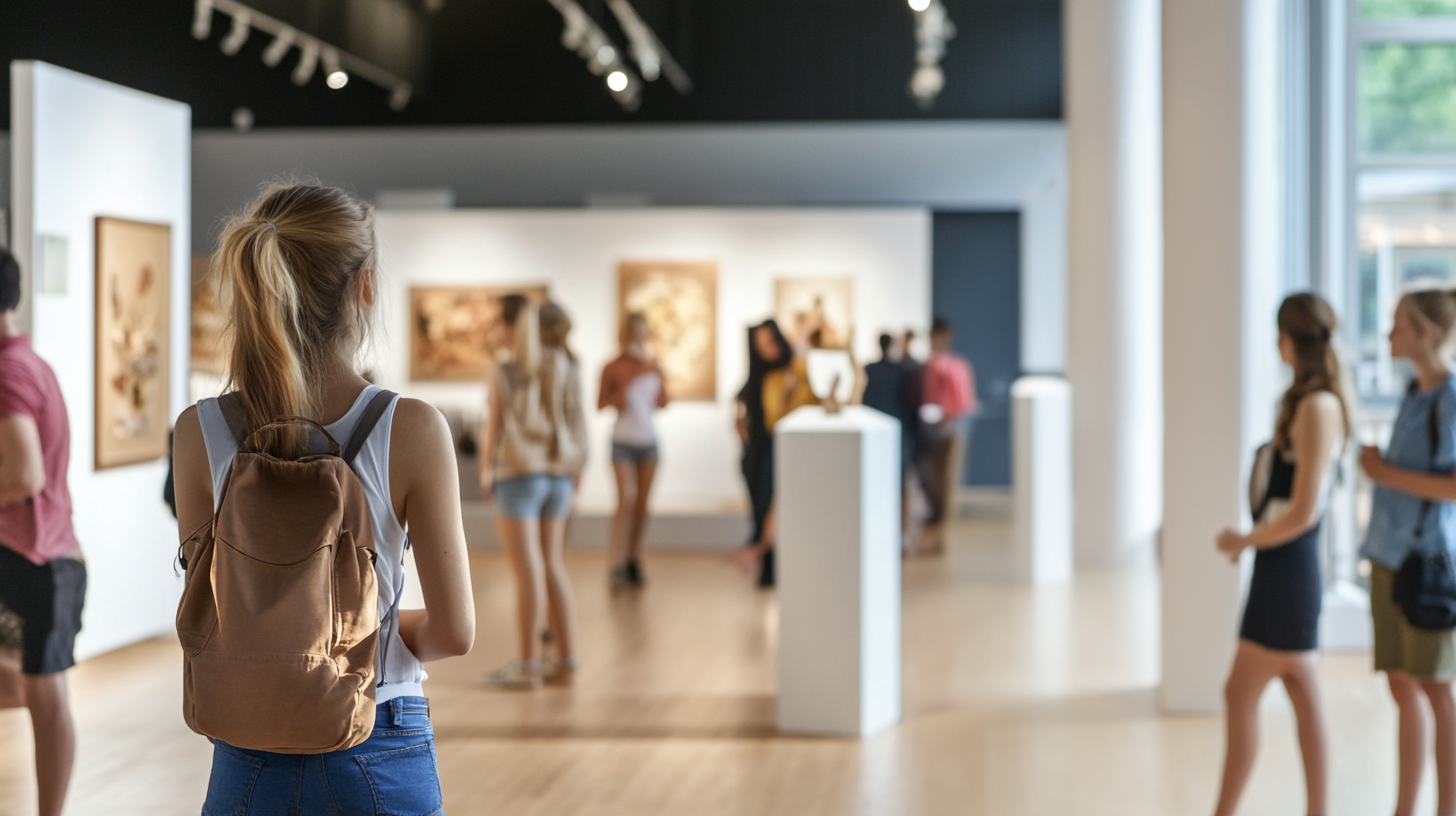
[(501, 62)]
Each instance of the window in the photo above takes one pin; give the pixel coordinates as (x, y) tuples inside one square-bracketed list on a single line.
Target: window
[(1403, 173), (1387, 9), (1390, 123)]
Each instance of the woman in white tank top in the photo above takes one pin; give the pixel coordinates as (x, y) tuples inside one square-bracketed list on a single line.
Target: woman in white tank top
[(298, 271)]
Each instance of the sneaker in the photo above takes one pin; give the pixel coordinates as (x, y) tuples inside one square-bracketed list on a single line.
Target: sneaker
[(517, 675), (559, 671), (619, 579), (634, 574)]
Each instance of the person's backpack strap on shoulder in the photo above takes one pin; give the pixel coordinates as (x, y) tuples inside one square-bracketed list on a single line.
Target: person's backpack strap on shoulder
[(1433, 436), (232, 413), (373, 412)]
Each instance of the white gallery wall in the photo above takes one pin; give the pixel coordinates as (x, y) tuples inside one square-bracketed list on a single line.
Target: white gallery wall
[(576, 252), (82, 148)]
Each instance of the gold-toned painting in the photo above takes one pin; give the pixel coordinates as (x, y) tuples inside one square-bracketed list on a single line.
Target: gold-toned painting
[(680, 301), (208, 322), (456, 331), (806, 306), (133, 341)]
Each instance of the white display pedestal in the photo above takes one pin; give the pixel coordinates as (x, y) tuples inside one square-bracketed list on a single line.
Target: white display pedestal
[(1041, 428), (838, 498)]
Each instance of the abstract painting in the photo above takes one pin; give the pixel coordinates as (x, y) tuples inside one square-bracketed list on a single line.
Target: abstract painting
[(133, 341), (456, 331), (803, 306), (680, 301)]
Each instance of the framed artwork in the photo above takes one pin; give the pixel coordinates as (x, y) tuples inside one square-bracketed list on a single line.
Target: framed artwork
[(456, 331), (680, 301), (803, 306), (133, 341), (208, 321)]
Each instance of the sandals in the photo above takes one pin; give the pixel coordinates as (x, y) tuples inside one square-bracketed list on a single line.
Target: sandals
[(517, 675)]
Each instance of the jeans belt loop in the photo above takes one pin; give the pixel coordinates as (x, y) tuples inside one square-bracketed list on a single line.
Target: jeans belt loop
[(396, 712)]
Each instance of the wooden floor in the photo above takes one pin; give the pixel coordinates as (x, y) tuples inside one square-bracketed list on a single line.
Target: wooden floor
[(1017, 702)]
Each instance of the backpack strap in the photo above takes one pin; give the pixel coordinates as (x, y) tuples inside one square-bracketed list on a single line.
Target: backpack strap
[(373, 412), (1433, 430), (232, 412)]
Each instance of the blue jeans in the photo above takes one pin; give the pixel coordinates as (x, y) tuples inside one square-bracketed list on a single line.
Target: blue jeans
[(539, 496), (393, 773)]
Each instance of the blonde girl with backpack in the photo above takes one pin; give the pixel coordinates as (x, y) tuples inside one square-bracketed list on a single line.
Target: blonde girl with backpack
[(534, 450), (1413, 512), (299, 272)]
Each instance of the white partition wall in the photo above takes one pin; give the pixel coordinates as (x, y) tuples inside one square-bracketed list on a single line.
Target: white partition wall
[(82, 148)]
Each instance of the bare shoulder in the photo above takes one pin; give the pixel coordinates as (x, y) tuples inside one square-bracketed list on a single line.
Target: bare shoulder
[(188, 429), (1320, 405), (418, 426)]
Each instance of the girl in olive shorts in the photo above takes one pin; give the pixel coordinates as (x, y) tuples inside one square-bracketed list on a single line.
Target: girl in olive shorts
[(1415, 509)]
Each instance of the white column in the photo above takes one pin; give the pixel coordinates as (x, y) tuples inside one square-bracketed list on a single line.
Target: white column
[(1222, 286), (1114, 289)]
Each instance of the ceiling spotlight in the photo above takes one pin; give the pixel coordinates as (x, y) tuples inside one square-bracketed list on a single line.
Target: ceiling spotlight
[(242, 27), (651, 56), (202, 20), (334, 75), (313, 51), (617, 81), (242, 119), (276, 50), (933, 29), (307, 62), (400, 96)]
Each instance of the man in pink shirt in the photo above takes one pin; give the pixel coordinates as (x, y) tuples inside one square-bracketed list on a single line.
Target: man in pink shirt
[(42, 577), (948, 401)]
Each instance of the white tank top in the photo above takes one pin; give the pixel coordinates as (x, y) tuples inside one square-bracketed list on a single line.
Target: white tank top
[(402, 673)]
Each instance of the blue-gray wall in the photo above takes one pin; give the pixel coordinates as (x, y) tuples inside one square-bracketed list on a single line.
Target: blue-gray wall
[(976, 285)]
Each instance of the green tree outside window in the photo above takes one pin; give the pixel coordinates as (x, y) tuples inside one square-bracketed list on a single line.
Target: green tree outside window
[(1374, 9), (1408, 98)]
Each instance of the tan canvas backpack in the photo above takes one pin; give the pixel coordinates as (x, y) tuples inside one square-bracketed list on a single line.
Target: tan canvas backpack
[(279, 620)]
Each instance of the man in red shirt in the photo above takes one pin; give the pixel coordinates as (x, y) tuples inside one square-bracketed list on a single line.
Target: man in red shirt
[(42, 577), (948, 401)]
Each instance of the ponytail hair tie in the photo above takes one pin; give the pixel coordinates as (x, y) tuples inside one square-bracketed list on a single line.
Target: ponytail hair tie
[(275, 227)]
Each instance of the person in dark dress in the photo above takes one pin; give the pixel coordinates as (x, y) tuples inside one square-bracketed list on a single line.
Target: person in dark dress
[(768, 350), (1279, 637)]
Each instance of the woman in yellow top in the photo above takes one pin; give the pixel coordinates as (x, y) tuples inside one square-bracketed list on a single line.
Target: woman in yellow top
[(785, 388)]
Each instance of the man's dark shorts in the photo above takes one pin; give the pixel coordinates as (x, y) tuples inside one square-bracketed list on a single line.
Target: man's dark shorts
[(47, 600)]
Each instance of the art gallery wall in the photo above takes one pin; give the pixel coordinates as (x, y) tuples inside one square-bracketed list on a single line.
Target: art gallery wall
[(576, 252), (959, 166), (83, 148)]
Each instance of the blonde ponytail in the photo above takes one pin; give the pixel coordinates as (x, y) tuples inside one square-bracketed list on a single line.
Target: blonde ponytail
[(292, 270), (528, 341)]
